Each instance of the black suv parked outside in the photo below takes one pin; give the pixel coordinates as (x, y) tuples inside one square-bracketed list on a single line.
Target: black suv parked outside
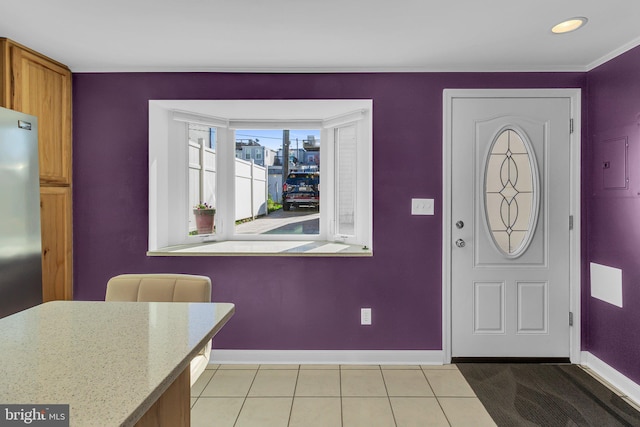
[(301, 189)]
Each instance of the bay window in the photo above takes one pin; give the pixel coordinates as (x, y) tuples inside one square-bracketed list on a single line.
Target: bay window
[(193, 160)]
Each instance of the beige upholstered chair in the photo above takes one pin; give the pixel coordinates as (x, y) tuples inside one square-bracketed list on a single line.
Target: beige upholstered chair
[(164, 288)]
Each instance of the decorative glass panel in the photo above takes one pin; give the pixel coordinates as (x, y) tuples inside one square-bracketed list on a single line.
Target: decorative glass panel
[(510, 187)]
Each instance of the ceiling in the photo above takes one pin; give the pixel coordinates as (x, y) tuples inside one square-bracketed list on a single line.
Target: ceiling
[(321, 35)]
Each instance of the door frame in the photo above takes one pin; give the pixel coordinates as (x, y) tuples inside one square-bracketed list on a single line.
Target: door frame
[(575, 190)]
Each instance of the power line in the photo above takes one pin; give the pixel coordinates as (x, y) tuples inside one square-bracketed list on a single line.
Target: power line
[(259, 136), (279, 138)]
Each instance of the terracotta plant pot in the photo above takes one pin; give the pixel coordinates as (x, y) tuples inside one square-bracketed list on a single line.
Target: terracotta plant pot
[(204, 220)]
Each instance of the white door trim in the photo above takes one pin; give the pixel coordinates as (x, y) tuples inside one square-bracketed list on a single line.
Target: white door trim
[(574, 268)]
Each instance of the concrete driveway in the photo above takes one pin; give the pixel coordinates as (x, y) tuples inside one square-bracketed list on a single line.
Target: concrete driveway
[(296, 221)]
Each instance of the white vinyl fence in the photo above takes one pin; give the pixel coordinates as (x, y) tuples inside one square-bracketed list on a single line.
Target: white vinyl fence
[(250, 185), (251, 189)]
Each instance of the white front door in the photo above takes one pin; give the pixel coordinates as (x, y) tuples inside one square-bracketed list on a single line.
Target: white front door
[(510, 241)]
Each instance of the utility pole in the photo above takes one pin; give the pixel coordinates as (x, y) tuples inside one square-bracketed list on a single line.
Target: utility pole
[(285, 154)]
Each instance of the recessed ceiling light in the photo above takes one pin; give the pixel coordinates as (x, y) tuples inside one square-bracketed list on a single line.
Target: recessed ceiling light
[(569, 25)]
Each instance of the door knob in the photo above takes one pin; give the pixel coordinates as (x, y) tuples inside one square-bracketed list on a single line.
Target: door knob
[(459, 224), (460, 243)]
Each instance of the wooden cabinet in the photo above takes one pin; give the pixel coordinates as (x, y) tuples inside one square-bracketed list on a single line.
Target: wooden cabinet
[(37, 85), (42, 88), (55, 214)]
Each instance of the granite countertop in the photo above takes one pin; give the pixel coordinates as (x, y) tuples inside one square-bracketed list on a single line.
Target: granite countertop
[(109, 361)]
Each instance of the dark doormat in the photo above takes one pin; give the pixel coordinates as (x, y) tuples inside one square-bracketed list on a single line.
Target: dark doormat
[(546, 395)]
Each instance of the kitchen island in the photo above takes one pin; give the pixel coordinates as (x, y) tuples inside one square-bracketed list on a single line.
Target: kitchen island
[(113, 363)]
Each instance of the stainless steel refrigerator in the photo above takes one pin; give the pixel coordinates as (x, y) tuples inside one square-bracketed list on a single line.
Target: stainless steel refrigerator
[(20, 240)]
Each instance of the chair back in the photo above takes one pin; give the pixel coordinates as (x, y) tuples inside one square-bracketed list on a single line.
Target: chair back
[(159, 288)]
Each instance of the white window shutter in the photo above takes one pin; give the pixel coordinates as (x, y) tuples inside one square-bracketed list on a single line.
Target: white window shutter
[(346, 142)]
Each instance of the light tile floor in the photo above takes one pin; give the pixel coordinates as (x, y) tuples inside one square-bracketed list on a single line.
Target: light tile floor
[(334, 395)]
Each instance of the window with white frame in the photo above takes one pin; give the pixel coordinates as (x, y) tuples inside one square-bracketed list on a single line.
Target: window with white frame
[(289, 191), (193, 166), (202, 177)]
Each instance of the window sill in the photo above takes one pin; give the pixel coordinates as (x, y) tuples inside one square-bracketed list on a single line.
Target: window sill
[(265, 248)]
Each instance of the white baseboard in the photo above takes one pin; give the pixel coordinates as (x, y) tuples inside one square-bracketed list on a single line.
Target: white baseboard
[(628, 387), (343, 357)]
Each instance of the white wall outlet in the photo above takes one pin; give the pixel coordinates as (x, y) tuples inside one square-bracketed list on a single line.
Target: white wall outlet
[(365, 316), (422, 206)]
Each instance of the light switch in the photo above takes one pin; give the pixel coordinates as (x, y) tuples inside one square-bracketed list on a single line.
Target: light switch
[(422, 206), (365, 316)]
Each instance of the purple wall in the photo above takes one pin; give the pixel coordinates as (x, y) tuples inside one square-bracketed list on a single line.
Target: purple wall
[(283, 303), (613, 333)]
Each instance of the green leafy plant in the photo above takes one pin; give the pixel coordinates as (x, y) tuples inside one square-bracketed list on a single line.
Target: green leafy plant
[(204, 206), (273, 206)]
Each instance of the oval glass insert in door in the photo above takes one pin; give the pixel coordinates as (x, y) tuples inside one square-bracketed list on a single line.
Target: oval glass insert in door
[(511, 201)]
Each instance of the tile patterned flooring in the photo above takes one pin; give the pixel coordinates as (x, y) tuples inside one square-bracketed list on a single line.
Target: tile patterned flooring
[(334, 395)]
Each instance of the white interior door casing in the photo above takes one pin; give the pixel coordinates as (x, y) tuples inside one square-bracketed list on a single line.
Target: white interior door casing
[(509, 286)]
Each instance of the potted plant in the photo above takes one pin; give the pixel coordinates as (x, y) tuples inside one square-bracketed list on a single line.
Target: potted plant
[(204, 217)]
